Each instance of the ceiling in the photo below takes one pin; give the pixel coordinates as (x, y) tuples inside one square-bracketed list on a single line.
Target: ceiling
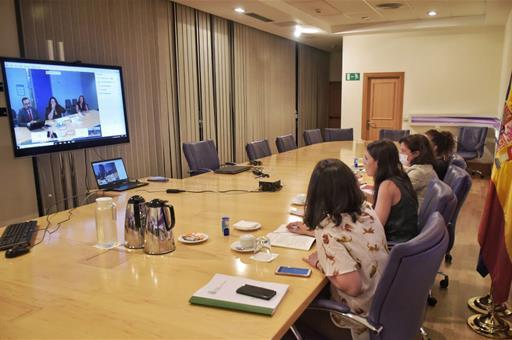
[(343, 17)]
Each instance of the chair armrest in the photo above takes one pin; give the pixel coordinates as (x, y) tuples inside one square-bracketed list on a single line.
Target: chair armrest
[(343, 310)]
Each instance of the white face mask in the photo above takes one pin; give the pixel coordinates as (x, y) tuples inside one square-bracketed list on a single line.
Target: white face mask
[(403, 159)]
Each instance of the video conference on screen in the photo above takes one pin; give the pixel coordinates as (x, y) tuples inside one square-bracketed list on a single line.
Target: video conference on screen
[(106, 173), (66, 101)]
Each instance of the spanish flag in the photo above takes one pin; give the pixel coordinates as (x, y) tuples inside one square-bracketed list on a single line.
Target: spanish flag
[(495, 232)]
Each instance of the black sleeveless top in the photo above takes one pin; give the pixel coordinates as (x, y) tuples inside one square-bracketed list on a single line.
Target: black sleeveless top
[(402, 224)]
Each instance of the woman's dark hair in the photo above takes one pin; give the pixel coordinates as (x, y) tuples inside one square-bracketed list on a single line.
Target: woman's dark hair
[(388, 165), (421, 144), (444, 142), (81, 105), (49, 107), (333, 190)]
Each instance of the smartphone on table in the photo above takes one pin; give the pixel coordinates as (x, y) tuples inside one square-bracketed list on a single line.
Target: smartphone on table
[(257, 292), (293, 271)]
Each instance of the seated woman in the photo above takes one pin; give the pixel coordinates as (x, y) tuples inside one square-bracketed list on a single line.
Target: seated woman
[(419, 160), (351, 244), (443, 144), (394, 198), (54, 109), (81, 105)]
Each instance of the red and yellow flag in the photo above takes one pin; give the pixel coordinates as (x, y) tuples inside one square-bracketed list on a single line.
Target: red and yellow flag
[(495, 232)]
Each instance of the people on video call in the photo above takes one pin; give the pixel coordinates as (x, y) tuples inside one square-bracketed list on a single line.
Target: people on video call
[(81, 105), (54, 109), (27, 113)]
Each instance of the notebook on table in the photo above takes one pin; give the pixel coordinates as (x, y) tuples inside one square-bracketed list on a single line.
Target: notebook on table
[(232, 169), (111, 175), (221, 292)]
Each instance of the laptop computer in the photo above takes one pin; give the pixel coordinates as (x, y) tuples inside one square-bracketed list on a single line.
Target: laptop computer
[(232, 169), (111, 175)]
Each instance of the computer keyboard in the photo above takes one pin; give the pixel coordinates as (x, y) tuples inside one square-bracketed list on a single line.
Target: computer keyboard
[(18, 234)]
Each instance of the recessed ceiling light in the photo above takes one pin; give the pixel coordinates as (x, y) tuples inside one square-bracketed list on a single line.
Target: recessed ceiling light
[(310, 29), (239, 10), (298, 31), (432, 13)]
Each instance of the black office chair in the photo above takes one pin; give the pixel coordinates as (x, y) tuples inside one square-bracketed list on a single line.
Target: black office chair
[(393, 135), (470, 145), (258, 149), (285, 143), (201, 157), (313, 136), (331, 135)]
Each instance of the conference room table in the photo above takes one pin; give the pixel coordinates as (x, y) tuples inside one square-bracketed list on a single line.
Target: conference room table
[(67, 288)]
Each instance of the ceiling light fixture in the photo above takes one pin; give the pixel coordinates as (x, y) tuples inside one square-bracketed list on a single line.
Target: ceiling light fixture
[(310, 30), (298, 31), (239, 10), (432, 13)]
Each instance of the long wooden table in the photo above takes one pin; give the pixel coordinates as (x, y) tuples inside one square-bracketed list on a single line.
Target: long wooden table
[(67, 288)]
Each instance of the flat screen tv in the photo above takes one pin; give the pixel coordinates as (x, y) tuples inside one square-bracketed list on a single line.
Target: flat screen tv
[(57, 106)]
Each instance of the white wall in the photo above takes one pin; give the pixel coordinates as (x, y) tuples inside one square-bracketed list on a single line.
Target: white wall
[(18, 190), (449, 71)]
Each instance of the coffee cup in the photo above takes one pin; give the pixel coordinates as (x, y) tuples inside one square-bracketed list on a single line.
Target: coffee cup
[(247, 242)]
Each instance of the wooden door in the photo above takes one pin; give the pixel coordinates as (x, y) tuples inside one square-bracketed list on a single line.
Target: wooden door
[(334, 104), (383, 95)]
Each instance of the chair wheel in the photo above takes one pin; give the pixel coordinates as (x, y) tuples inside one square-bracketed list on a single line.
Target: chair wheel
[(431, 300), (448, 258), (444, 282)]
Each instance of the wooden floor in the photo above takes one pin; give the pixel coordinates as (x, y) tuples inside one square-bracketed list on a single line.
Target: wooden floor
[(447, 320)]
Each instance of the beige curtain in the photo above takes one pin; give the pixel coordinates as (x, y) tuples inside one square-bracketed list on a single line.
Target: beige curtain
[(313, 74), (134, 34), (264, 87)]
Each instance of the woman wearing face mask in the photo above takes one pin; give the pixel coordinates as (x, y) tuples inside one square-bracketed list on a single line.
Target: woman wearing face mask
[(394, 198), (419, 162), (443, 144)]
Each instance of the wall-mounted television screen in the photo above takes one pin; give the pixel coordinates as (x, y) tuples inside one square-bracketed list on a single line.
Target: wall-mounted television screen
[(57, 106)]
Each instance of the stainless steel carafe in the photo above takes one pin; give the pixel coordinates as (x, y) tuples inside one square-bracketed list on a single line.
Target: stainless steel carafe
[(135, 222), (158, 237)]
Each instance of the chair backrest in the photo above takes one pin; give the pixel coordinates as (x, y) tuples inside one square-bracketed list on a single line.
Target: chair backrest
[(201, 155), (285, 143), (472, 139), (439, 197), (393, 135), (313, 136), (459, 161), (258, 149), (331, 135), (460, 182), (401, 294)]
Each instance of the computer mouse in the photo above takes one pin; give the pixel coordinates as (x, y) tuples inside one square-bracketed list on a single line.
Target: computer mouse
[(17, 251)]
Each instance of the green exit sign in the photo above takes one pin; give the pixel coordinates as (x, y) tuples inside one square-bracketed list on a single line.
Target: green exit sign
[(352, 76)]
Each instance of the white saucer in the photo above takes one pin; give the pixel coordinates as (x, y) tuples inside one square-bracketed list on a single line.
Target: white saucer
[(203, 238), (236, 247), (245, 225), (299, 199)]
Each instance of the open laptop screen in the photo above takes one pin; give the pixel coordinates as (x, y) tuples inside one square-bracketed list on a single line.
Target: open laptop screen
[(109, 172)]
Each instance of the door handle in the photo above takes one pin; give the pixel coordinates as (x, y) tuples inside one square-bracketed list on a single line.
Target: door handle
[(371, 124)]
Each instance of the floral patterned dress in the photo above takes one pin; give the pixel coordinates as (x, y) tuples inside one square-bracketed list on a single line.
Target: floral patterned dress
[(353, 246)]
